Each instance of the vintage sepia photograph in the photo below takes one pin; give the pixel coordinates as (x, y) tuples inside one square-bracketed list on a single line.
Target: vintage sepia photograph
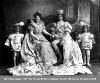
[(50, 38)]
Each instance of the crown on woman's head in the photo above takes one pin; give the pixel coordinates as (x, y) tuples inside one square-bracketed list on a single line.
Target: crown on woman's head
[(60, 11)]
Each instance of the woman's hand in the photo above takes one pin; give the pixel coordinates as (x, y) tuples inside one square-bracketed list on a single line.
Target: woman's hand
[(56, 36)]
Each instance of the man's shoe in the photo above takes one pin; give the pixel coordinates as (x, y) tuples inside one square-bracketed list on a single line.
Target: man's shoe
[(56, 64)]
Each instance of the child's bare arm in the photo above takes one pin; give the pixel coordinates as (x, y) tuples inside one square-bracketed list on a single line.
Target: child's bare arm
[(92, 38), (7, 43), (93, 41)]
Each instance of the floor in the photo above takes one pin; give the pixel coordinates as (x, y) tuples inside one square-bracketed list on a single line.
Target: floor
[(95, 68)]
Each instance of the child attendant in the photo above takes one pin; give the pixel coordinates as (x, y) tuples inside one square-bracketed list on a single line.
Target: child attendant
[(15, 41), (86, 40)]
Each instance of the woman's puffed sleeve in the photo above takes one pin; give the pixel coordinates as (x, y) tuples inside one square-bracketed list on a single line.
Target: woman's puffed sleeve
[(22, 35)]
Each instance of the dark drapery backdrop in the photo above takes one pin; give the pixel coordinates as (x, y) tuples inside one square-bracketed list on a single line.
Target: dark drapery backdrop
[(5, 59)]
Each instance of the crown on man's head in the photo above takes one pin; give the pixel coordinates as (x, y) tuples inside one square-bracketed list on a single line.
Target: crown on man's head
[(60, 11)]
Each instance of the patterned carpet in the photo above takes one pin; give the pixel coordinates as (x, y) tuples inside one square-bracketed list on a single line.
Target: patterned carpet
[(95, 68)]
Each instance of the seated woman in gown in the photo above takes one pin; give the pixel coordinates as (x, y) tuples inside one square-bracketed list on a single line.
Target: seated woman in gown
[(36, 51), (47, 52)]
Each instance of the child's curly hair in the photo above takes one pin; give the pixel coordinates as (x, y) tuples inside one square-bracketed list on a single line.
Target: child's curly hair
[(85, 26)]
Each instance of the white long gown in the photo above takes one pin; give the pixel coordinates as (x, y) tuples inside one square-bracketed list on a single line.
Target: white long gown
[(73, 61)]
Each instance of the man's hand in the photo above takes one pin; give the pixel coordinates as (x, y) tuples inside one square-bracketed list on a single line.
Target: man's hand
[(55, 35)]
